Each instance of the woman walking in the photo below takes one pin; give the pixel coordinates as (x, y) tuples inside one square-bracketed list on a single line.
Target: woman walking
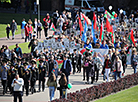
[(52, 84)]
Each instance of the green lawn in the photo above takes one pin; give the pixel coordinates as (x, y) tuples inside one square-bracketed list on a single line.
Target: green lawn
[(129, 95), (24, 47), (6, 18), (3, 30)]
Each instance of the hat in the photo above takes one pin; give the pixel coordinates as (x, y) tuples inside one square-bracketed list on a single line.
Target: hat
[(40, 61), (25, 64), (12, 65), (33, 35), (55, 64), (15, 59), (19, 60), (33, 62), (4, 61), (87, 49)]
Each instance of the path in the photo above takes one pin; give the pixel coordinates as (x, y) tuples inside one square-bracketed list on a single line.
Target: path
[(76, 81)]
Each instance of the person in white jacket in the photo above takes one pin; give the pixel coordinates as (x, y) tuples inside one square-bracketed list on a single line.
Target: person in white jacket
[(17, 85)]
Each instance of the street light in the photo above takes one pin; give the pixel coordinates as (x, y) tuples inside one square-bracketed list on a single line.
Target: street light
[(121, 11), (37, 2), (110, 7)]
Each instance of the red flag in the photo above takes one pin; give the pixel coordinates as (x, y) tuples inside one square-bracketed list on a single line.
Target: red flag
[(95, 21), (132, 37), (101, 32), (82, 51), (108, 25), (88, 21), (81, 27), (111, 31)]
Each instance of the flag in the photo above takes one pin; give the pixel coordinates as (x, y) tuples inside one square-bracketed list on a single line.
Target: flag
[(52, 27), (93, 34), (108, 26), (101, 33), (84, 37), (112, 34), (108, 15), (82, 51), (81, 27), (131, 37), (95, 20), (60, 62), (88, 21)]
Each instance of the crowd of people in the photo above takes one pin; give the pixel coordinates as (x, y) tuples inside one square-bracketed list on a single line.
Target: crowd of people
[(14, 63)]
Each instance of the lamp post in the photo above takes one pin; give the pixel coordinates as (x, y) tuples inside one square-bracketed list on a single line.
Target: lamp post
[(37, 2), (110, 7), (121, 11)]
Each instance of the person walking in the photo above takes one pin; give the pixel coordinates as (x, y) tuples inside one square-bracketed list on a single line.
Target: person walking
[(30, 31), (92, 70), (17, 85), (8, 31), (134, 60), (35, 26), (26, 32), (46, 26), (63, 86), (118, 67), (66, 67), (52, 84), (13, 28), (39, 29), (22, 28), (18, 51), (107, 67), (4, 75)]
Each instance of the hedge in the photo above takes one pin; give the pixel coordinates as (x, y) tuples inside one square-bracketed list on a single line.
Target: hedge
[(101, 90)]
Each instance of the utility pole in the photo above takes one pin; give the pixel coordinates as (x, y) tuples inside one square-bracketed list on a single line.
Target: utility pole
[(38, 3)]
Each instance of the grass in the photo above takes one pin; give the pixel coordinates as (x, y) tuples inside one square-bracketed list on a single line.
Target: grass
[(129, 95), (3, 30), (6, 18), (24, 47)]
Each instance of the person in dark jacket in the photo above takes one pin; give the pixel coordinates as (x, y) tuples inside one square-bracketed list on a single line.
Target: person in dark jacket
[(26, 77), (92, 69), (66, 67), (42, 75), (134, 60), (8, 31), (74, 60), (79, 57), (35, 75), (46, 25), (124, 60), (13, 27), (18, 51)]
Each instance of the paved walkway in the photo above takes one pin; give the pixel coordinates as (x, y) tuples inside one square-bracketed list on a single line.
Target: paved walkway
[(4, 41), (76, 81)]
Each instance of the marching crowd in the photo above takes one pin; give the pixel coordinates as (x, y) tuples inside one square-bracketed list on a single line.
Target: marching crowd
[(15, 65)]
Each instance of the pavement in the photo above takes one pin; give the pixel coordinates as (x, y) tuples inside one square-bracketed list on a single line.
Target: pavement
[(75, 79)]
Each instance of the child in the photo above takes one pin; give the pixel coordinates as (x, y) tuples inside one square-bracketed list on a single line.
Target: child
[(8, 30), (52, 84)]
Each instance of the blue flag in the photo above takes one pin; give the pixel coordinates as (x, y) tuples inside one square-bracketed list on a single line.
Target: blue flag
[(84, 37), (93, 34)]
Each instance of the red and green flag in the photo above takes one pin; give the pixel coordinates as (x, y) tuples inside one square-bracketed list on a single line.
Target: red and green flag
[(60, 62), (108, 15), (101, 33), (52, 27), (95, 21), (131, 37), (81, 27), (82, 51)]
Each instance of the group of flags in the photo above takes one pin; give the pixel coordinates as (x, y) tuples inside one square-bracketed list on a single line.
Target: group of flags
[(94, 27)]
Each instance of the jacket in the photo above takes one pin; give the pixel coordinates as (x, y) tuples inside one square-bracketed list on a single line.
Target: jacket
[(26, 31), (54, 83), (4, 73), (68, 68), (119, 66), (109, 64), (13, 26)]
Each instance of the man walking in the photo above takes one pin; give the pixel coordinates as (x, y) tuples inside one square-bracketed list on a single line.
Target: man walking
[(17, 85), (66, 67), (23, 29), (13, 27)]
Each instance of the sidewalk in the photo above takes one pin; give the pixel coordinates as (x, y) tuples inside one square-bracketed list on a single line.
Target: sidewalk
[(76, 81), (17, 39)]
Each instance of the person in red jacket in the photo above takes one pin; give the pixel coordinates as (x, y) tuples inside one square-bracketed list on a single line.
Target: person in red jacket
[(30, 31), (26, 32)]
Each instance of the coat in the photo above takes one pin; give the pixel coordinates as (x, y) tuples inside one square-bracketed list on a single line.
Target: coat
[(68, 68), (42, 72), (119, 66), (26, 31)]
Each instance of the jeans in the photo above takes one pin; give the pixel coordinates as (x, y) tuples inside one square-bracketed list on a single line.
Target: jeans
[(64, 93), (27, 37), (51, 92), (23, 33), (60, 28), (117, 74), (107, 71), (13, 33), (19, 95), (135, 69), (30, 36)]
